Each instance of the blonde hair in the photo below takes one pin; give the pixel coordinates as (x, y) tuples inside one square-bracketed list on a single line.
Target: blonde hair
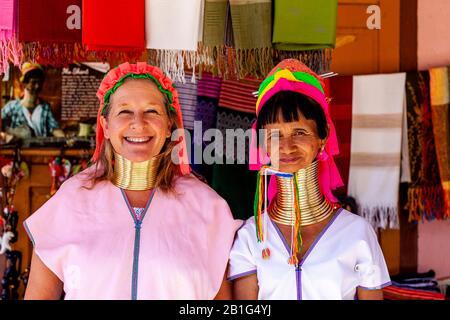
[(104, 169)]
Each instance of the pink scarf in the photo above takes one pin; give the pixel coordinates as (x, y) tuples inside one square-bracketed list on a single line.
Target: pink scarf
[(10, 49)]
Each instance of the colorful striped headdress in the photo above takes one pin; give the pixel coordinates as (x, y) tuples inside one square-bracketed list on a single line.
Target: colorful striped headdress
[(141, 70), (293, 75)]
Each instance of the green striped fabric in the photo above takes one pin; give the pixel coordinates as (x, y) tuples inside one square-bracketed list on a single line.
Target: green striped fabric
[(304, 25)]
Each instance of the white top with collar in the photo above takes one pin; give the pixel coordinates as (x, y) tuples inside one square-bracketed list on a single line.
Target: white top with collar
[(346, 255)]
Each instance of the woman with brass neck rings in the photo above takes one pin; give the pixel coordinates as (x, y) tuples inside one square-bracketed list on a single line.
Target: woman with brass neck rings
[(136, 224), (305, 245)]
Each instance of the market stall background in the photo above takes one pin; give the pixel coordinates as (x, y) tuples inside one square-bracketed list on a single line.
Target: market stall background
[(217, 64)]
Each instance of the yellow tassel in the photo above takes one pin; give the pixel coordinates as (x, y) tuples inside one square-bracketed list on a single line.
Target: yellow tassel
[(259, 199)]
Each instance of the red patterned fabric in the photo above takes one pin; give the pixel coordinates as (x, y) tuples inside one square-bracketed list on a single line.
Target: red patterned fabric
[(114, 24), (396, 293), (340, 90), (238, 95), (50, 20)]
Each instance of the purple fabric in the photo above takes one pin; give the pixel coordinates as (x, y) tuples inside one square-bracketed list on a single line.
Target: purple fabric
[(206, 112), (298, 273), (243, 274), (187, 93), (209, 86)]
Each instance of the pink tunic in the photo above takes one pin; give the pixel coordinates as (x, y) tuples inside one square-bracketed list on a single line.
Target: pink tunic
[(94, 243)]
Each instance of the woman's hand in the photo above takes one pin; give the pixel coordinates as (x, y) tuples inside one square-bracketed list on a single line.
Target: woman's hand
[(43, 284)]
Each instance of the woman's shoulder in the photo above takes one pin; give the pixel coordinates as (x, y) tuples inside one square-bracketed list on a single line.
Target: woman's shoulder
[(353, 225), (248, 228), (350, 217)]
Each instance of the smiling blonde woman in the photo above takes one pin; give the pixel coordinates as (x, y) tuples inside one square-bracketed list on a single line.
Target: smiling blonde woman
[(134, 225)]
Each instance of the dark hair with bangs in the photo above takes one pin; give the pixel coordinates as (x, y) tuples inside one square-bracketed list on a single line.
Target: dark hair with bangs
[(290, 104), (34, 74)]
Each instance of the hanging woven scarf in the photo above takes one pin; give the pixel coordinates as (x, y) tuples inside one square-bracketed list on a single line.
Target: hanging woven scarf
[(304, 30), (405, 170), (252, 32), (172, 28), (374, 176), (187, 94), (209, 86), (63, 54), (317, 60), (340, 92), (440, 101), (425, 198), (113, 25), (50, 21), (213, 42), (238, 94), (236, 184), (233, 181), (208, 91), (207, 101), (10, 49), (304, 25), (231, 119), (58, 40)]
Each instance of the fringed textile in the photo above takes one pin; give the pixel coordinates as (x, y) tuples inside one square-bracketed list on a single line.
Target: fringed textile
[(63, 54), (252, 32), (304, 25), (50, 21), (187, 94), (102, 40), (231, 119), (233, 181), (172, 28), (440, 113), (208, 93), (101, 32), (425, 197), (340, 95), (374, 177), (213, 41), (239, 94), (318, 61)]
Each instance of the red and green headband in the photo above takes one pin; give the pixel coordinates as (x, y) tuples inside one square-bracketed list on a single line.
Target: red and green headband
[(141, 70), (167, 93)]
